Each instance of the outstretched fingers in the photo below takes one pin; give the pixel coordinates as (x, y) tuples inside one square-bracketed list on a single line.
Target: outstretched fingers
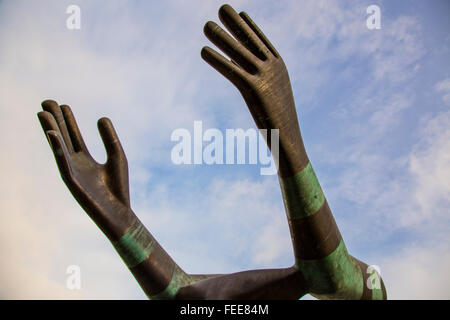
[(243, 31), (73, 130), (53, 108), (47, 121), (232, 48), (259, 33), (227, 68)]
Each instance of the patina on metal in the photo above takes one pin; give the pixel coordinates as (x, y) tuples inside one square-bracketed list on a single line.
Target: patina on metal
[(323, 267)]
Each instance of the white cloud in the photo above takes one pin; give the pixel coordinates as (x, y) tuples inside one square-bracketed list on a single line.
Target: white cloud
[(444, 88), (429, 163), (418, 272), (273, 242)]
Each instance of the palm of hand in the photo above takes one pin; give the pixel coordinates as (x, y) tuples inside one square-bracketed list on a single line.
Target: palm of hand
[(101, 189)]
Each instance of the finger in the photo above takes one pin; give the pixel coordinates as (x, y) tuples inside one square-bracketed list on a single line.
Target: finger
[(116, 161), (259, 33), (47, 121), (242, 31), (110, 139), (72, 128), (226, 67), (61, 154), (231, 47), (53, 107)]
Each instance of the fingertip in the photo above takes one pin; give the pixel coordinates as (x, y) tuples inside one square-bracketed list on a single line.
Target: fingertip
[(110, 140), (204, 52), (49, 105), (106, 129), (225, 9), (209, 55), (41, 117), (48, 102), (209, 28), (243, 14), (226, 12), (47, 120), (67, 113), (104, 123), (41, 114), (66, 108)]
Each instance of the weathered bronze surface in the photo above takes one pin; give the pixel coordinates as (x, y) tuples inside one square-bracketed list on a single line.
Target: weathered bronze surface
[(323, 267)]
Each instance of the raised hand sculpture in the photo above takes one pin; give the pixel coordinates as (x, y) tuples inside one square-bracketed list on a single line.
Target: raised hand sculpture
[(322, 266), (259, 73)]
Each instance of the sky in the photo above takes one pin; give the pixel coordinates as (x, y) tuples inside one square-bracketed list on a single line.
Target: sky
[(373, 107)]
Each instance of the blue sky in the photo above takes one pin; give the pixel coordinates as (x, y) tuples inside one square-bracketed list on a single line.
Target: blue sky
[(373, 108)]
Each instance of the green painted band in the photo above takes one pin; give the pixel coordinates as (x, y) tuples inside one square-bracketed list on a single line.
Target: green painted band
[(135, 245), (337, 276), (179, 280), (302, 194)]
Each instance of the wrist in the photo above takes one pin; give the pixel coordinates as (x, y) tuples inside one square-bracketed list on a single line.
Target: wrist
[(116, 225), (135, 244)]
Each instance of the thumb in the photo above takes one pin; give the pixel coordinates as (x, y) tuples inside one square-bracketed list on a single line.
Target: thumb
[(111, 141)]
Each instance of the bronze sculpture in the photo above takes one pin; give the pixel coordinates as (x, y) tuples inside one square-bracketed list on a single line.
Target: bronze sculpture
[(322, 267)]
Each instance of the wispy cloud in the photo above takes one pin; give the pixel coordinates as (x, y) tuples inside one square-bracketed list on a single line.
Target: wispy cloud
[(443, 87)]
